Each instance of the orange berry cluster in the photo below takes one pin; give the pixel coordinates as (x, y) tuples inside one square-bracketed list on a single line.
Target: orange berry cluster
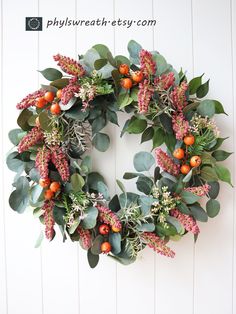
[(132, 78), (51, 187), (50, 97), (179, 153), (104, 229)]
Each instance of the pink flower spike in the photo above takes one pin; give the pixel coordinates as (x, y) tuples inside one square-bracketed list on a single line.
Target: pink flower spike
[(30, 100), (178, 96), (145, 94), (180, 125), (60, 161), (48, 219), (165, 81), (69, 91), (200, 190), (187, 221), (70, 66), (108, 217), (32, 138), (147, 64), (85, 238), (166, 162), (42, 160), (157, 244)]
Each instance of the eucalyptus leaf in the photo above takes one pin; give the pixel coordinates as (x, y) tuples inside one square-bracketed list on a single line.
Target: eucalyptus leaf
[(101, 142), (115, 241), (213, 208), (90, 218), (143, 161), (51, 74)]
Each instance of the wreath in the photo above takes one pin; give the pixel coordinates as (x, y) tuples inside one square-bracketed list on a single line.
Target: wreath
[(62, 121)]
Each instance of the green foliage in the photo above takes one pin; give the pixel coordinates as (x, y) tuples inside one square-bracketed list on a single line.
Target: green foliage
[(188, 197), (208, 174), (194, 84), (214, 190), (134, 49), (221, 155), (143, 161), (90, 218), (115, 241), (202, 90), (213, 208), (101, 141), (144, 185), (158, 137), (19, 198), (161, 63), (77, 182), (223, 174), (206, 108), (51, 74), (92, 259), (23, 118), (198, 212), (136, 126)]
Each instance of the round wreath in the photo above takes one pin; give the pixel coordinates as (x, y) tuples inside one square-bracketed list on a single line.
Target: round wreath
[(61, 121)]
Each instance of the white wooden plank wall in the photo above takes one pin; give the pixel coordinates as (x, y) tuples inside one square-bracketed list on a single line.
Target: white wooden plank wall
[(198, 35)]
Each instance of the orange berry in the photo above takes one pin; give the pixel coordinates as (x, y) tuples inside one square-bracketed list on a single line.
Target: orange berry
[(106, 247), (126, 83), (185, 169), (115, 229), (189, 140), (55, 109), (48, 194), (55, 186), (40, 102), (49, 96), (104, 229), (195, 161), (37, 122), (44, 183), (59, 92), (137, 76), (124, 69), (178, 153)]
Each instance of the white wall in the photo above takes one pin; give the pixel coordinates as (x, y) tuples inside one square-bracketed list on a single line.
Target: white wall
[(198, 35)]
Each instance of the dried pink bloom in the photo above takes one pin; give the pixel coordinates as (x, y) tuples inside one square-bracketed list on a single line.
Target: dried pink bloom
[(108, 217), (33, 137), (187, 221), (180, 125), (60, 161), (70, 66), (165, 81), (145, 94), (42, 160), (147, 64), (30, 100), (178, 96), (48, 219), (69, 91), (201, 190), (157, 244), (166, 162), (85, 238)]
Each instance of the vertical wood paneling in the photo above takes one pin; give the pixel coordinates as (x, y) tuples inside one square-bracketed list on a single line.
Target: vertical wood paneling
[(135, 283), (60, 260), (98, 286), (3, 277), (20, 58), (233, 51), (173, 39), (214, 249)]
